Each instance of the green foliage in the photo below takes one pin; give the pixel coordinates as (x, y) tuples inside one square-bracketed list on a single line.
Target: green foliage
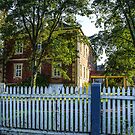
[(86, 86), (122, 62), (118, 37), (41, 80)]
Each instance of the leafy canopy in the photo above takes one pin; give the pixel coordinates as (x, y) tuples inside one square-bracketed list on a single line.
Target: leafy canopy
[(117, 17)]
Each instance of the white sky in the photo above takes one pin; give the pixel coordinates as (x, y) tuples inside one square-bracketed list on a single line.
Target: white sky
[(89, 29)]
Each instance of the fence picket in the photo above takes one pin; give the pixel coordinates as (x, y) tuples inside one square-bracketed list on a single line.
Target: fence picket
[(123, 113), (128, 111), (89, 109), (62, 109), (104, 113), (81, 110), (25, 108), (50, 111), (71, 110), (45, 110), (29, 108), (133, 94), (76, 110), (14, 108), (7, 114), (37, 108), (118, 112), (85, 111), (41, 108), (54, 114), (58, 111), (113, 113), (22, 118), (33, 110), (18, 109), (67, 110), (109, 113), (3, 115), (10, 106)]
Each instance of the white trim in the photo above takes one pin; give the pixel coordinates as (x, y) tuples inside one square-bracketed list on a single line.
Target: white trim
[(18, 59), (15, 68)]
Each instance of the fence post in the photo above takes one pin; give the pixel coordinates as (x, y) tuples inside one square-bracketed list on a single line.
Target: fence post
[(95, 108), (2, 87)]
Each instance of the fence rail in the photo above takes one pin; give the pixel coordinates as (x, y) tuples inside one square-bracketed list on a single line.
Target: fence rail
[(67, 109)]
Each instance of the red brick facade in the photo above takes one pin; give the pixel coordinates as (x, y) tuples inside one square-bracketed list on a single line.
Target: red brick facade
[(46, 70)]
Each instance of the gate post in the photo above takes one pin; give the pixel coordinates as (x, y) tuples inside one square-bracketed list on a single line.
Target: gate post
[(95, 108)]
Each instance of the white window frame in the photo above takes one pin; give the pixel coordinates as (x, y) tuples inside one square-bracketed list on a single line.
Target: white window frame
[(84, 72), (56, 72), (18, 48), (18, 70)]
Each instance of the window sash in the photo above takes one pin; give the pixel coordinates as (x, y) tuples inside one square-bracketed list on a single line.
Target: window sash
[(18, 70)]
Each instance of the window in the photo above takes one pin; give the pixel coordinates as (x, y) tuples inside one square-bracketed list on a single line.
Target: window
[(84, 73), (84, 50), (80, 70), (56, 70), (18, 48), (18, 70)]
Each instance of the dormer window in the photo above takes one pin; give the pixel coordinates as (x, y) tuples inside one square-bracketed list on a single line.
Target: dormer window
[(18, 48)]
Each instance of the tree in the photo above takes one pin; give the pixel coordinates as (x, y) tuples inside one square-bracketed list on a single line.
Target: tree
[(2, 55), (118, 37), (38, 20)]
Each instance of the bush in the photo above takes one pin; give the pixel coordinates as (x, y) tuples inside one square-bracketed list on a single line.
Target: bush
[(42, 80)]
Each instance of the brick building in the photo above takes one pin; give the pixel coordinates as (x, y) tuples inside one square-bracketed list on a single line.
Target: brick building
[(17, 67)]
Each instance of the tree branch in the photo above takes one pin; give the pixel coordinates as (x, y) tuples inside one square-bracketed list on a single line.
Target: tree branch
[(128, 22), (24, 22)]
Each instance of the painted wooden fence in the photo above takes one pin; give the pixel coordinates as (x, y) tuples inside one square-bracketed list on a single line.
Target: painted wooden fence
[(118, 111), (66, 110)]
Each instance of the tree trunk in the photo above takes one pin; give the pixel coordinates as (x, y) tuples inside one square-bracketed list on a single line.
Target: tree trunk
[(34, 79), (34, 73)]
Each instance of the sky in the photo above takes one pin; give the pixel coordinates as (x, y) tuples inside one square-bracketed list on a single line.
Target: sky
[(89, 29)]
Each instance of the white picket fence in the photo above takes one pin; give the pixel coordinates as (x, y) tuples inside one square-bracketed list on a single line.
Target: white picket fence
[(66, 110), (118, 111), (45, 109)]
